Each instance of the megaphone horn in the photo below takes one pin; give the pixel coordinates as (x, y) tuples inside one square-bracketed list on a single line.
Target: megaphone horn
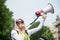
[(49, 9)]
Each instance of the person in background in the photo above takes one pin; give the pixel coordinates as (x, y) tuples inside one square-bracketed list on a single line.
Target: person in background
[(20, 32)]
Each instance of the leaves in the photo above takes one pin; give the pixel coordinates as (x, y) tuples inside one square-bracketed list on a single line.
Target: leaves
[(6, 21), (44, 32)]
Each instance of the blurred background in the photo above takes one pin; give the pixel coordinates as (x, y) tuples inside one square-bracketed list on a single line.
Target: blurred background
[(10, 10)]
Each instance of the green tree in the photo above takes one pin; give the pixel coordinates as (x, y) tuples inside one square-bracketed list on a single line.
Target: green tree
[(6, 21), (44, 32)]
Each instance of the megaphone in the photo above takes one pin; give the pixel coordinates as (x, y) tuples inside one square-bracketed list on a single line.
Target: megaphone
[(48, 9)]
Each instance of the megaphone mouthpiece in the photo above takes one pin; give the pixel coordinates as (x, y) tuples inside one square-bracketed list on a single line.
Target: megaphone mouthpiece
[(38, 13)]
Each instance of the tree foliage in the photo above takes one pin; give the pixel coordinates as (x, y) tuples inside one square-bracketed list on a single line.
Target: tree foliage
[(44, 32), (6, 21)]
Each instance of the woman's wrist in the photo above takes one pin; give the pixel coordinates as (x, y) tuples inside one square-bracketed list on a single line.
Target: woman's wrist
[(44, 16)]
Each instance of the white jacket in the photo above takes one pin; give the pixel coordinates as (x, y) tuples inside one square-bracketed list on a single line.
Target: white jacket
[(15, 36)]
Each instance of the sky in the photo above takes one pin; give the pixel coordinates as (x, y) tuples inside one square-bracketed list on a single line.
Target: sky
[(26, 9)]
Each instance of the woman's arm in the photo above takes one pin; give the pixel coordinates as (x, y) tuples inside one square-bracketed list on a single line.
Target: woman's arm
[(14, 35), (34, 30), (28, 27)]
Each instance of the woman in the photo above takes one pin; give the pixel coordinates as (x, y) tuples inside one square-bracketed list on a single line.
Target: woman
[(20, 33)]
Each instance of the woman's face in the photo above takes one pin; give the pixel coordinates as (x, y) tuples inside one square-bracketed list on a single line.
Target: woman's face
[(21, 24)]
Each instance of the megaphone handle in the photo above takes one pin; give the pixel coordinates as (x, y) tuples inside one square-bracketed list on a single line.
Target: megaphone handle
[(34, 20)]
